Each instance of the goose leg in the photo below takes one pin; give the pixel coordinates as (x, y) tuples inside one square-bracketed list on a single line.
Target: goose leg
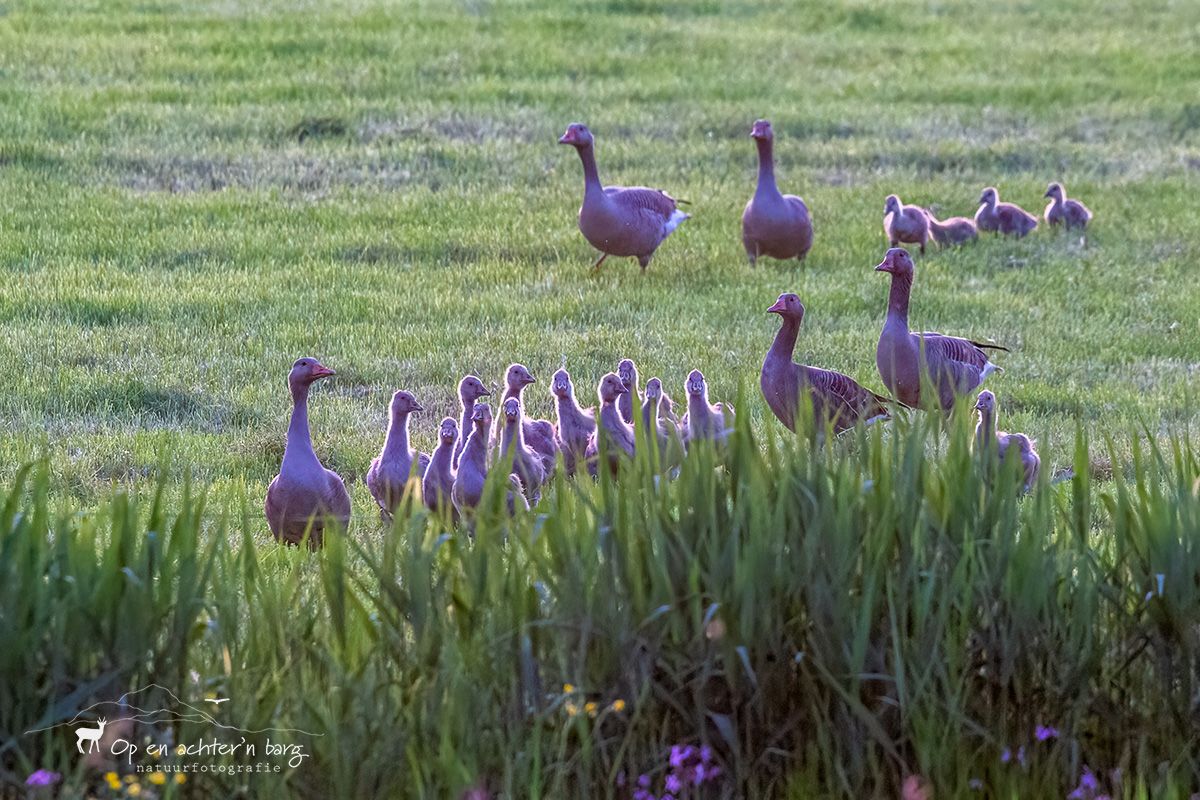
[(599, 261)]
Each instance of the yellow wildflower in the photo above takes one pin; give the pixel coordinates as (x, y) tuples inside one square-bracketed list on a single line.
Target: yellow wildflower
[(572, 709), (618, 705), (134, 789), (590, 708), (157, 778), (568, 688), (180, 778), (113, 780)]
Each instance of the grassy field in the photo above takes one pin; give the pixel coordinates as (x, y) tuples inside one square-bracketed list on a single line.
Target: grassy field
[(194, 194)]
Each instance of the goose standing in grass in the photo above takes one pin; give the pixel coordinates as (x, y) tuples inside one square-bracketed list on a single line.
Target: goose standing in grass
[(1065, 211), (305, 498), (663, 432), (388, 474), (954, 366), (467, 488), (1004, 218), (615, 220), (538, 433), (987, 437), (526, 463), (439, 475), (838, 400), (575, 425), (627, 372), (901, 223), (952, 230), (614, 432), (705, 421), (773, 224), (470, 389)]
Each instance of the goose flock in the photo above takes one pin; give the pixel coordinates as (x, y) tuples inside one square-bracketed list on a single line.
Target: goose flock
[(924, 370)]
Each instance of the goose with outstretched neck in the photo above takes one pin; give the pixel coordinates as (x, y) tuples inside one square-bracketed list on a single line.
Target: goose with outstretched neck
[(575, 425), (837, 400), (616, 220), (305, 498), (773, 224), (951, 365), (611, 431), (388, 474), (439, 475), (470, 389)]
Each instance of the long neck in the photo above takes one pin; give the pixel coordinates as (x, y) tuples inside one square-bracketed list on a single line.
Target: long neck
[(396, 443), (650, 413), (985, 431), (591, 175), (513, 390), (299, 441), (568, 409), (898, 298), (766, 166), (475, 451), (610, 416), (513, 434), (785, 341), (698, 406), (465, 427), (443, 454)]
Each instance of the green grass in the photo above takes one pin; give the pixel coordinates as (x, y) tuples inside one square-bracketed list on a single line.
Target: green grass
[(192, 195)]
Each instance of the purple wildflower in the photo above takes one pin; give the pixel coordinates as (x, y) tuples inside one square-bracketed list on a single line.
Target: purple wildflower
[(1005, 756), (680, 754), (706, 754), (698, 775), (1044, 732), (673, 784), (43, 777), (644, 781)]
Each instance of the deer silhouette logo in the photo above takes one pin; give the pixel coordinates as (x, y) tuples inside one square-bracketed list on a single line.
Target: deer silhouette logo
[(91, 734)]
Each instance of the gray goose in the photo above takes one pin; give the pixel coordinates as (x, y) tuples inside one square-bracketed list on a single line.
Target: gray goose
[(467, 489), (305, 498), (575, 425), (901, 223), (1004, 218), (773, 224), (615, 220), (955, 366), (389, 473), (838, 400)]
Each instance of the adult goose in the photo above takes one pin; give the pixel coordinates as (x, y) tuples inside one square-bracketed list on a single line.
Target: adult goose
[(388, 474), (837, 400), (1004, 218), (305, 498), (953, 366), (616, 220), (773, 224)]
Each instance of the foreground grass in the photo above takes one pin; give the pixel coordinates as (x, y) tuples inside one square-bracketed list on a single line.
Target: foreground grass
[(192, 196), (827, 621)]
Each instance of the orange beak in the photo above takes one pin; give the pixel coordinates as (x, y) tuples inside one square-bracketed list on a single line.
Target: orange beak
[(567, 138), (322, 372), (778, 308), (884, 266)]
